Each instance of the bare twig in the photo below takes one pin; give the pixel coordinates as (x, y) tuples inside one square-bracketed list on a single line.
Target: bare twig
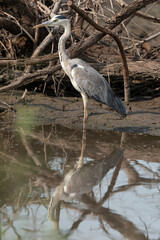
[(24, 94), (49, 38), (144, 40), (19, 25), (140, 14), (30, 77), (8, 106), (28, 61)]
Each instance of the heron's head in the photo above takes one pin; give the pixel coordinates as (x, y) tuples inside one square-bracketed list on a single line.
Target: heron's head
[(57, 20)]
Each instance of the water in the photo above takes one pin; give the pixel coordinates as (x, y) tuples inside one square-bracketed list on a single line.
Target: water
[(58, 183)]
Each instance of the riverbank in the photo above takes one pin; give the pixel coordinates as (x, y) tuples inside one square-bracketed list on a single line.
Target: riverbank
[(143, 115)]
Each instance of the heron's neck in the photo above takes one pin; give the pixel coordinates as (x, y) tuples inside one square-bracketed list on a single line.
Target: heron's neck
[(63, 56)]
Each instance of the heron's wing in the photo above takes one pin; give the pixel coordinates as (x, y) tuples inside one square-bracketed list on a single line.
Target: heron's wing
[(89, 81), (93, 84)]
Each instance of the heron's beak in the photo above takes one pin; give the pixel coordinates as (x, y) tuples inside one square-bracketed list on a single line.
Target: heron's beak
[(44, 24)]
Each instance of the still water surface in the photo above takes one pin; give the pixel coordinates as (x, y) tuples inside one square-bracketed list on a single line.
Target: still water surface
[(58, 183)]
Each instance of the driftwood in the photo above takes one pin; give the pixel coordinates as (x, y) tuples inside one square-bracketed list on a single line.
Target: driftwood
[(28, 61), (30, 77), (139, 71), (144, 76)]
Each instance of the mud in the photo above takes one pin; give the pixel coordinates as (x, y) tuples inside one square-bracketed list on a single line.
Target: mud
[(143, 115)]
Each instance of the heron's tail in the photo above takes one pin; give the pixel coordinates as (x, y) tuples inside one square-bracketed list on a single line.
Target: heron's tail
[(115, 102), (118, 106)]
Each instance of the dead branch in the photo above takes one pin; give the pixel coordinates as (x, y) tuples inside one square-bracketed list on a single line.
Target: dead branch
[(9, 25), (40, 49), (140, 14), (30, 77), (128, 11), (139, 71), (19, 25), (28, 61), (8, 106), (111, 23), (144, 40), (49, 38)]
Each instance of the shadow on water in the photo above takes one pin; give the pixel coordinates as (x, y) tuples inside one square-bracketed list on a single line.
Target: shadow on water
[(59, 183)]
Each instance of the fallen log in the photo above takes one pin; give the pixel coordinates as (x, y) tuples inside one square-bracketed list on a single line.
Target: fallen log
[(139, 70)]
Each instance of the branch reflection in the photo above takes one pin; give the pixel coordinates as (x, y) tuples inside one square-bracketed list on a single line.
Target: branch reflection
[(85, 187)]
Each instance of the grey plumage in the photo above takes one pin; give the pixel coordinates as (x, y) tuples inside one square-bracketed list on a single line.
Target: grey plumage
[(94, 85), (82, 180), (84, 78)]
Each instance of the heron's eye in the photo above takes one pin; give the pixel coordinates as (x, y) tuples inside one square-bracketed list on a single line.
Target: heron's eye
[(55, 20)]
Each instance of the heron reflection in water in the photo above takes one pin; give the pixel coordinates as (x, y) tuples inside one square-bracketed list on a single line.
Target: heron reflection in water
[(84, 78), (78, 185), (81, 180)]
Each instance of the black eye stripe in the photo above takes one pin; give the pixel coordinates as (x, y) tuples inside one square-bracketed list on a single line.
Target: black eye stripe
[(61, 17)]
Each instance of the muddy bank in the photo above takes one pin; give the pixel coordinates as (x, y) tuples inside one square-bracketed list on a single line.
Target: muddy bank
[(143, 116)]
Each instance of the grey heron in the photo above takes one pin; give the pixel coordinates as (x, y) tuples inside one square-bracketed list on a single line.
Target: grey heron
[(84, 78)]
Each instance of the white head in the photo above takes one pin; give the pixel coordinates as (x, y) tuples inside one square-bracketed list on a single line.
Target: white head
[(57, 20)]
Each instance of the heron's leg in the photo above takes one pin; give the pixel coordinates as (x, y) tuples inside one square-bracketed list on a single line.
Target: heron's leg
[(85, 101), (80, 161)]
